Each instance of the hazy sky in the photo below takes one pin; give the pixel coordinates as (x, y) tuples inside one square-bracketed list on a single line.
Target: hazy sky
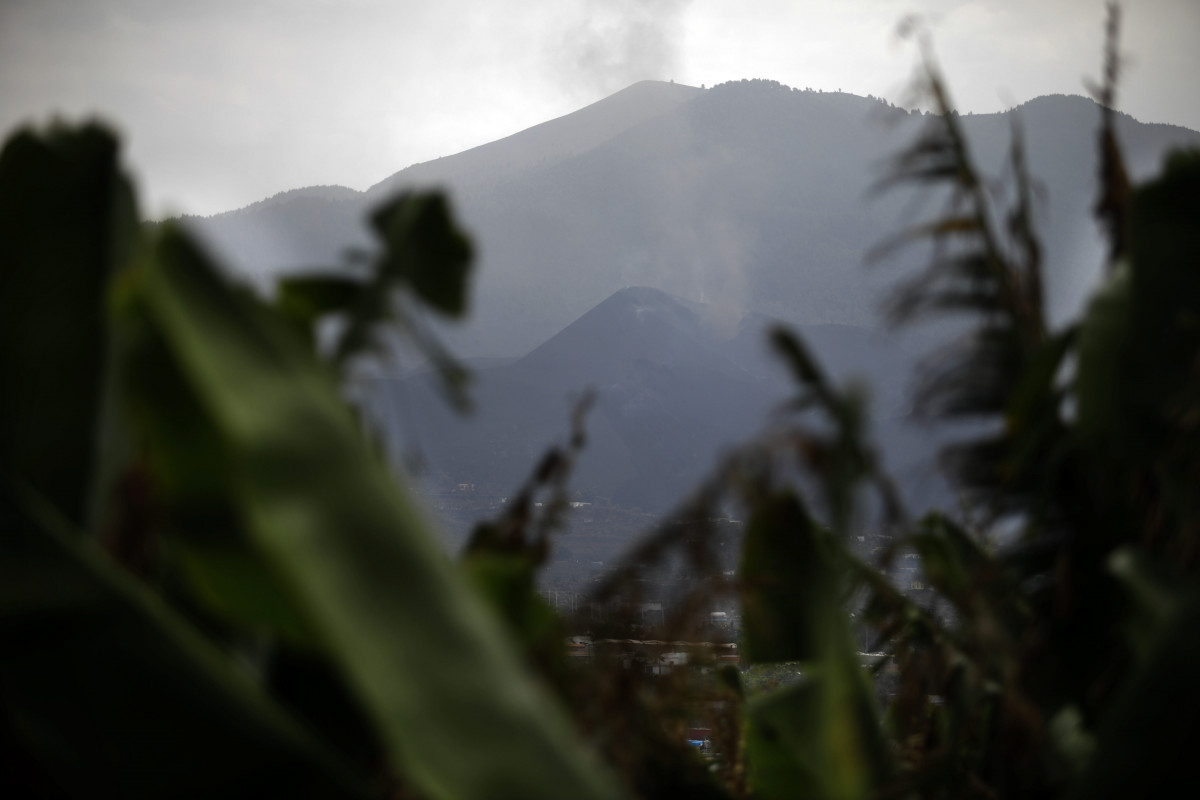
[(226, 102)]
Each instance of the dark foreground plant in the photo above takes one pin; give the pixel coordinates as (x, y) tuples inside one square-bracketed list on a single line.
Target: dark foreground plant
[(1056, 665), (211, 585)]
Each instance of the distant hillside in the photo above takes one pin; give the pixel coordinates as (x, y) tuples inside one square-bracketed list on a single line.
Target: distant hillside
[(749, 196), (667, 397), (489, 165), (673, 389), (313, 226)]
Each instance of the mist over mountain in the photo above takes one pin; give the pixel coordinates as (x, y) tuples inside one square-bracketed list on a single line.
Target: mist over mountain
[(640, 245)]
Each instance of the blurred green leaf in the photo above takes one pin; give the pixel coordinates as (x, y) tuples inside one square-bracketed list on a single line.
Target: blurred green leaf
[(506, 581), (425, 248), (447, 692), (804, 367), (822, 738), (423, 251), (952, 560), (110, 694), (189, 460), (307, 298), (1145, 745), (783, 742), (789, 591), (234, 583), (1104, 339), (818, 739)]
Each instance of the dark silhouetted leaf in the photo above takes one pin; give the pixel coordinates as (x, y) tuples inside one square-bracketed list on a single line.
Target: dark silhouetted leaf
[(113, 695), (789, 589), (67, 223), (425, 248), (424, 656)]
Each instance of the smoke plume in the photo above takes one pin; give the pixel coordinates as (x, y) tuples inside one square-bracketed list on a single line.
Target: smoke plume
[(608, 44)]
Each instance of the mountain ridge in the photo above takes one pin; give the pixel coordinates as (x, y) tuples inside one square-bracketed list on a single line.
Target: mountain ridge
[(546, 142), (750, 194), (672, 391)]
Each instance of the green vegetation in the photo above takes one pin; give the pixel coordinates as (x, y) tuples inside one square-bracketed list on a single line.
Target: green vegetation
[(210, 584)]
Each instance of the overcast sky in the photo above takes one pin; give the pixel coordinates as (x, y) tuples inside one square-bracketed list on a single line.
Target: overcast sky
[(226, 102)]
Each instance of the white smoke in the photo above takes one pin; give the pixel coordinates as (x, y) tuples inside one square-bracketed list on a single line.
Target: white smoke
[(608, 44)]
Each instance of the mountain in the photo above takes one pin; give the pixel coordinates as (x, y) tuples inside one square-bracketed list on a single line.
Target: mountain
[(673, 389), (490, 165), (642, 244), (749, 196), (667, 397), (315, 225)]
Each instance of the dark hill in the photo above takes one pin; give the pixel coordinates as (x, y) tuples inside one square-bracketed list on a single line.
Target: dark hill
[(673, 389), (739, 203), (637, 323), (668, 396)]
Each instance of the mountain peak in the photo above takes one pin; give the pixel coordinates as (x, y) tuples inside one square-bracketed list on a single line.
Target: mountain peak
[(548, 142), (636, 323)]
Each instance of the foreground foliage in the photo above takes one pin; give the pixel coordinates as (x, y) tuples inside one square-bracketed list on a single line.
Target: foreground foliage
[(211, 584)]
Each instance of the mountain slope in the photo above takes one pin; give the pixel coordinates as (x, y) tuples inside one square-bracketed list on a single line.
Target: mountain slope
[(667, 397), (548, 143), (748, 196), (315, 226), (673, 389), (761, 198)]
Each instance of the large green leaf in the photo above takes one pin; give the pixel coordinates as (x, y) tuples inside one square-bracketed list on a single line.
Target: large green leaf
[(103, 691), (1145, 746), (425, 249), (187, 458), (789, 592), (107, 693), (1138, 386), (822, 738), (461, 717), (306, 298)]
